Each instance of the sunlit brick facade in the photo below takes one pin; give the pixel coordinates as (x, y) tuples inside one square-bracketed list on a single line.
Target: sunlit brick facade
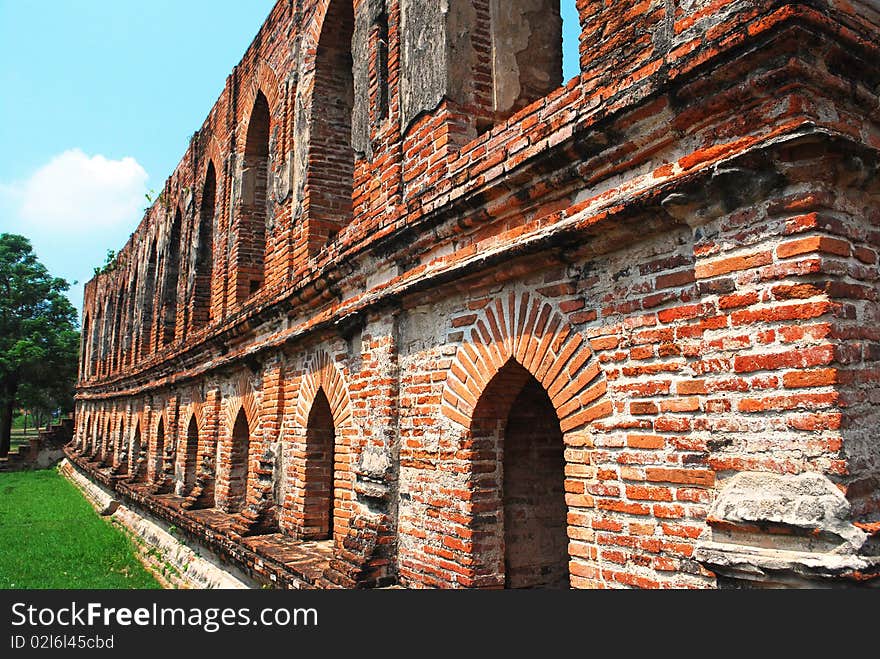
[(413, 310)]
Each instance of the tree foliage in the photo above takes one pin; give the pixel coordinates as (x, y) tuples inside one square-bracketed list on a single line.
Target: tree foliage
[(39, 335)]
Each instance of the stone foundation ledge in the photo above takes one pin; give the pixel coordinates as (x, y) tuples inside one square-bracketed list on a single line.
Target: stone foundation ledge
[(186, 567), (757, 567), (784, 530), (274, 560)]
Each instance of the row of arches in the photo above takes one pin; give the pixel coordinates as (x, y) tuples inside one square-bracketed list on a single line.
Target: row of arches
[(522, 389), (220, 473), (519, 471), (141, 315), (167, 288)]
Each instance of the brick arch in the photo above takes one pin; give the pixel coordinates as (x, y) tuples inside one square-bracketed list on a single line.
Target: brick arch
[(243, 398), (160, 418), (84, 345), (194, 409), (138, 420), (321, 373), (529, 330), (264, 80), (161, 414), (213, 155), (311, 33), (147, 289), (84, 430), (105, 424), (122, 429)]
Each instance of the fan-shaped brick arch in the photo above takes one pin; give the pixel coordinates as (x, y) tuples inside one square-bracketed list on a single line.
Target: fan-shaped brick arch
[(213, 154), (139, 420), (194, 409), (243, 398), (137, 457), (238, 446), (265, 81), (160, 414), (311, 33), (158, 452), (188, 456), (320, 373), (528, 329)]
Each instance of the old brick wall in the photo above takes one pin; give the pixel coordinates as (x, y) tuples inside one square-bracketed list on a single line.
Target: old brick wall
[(408, 300)]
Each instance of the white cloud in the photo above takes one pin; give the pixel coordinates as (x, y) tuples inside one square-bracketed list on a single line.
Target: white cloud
[(73, 209), (75, 191)]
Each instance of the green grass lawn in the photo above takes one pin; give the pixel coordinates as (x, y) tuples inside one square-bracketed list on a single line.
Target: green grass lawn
[(51, 537)]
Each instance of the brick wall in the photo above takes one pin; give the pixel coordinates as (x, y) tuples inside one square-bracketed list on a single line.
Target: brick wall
[(619, 333)]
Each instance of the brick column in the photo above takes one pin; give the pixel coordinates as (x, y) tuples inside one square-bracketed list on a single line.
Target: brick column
[(365, 553)]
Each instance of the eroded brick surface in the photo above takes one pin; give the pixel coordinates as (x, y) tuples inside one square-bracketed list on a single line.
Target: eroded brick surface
[(404, 296)]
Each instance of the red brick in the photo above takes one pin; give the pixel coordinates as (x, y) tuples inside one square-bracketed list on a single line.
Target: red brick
[(705, 270), (683, 476), (813, 244)]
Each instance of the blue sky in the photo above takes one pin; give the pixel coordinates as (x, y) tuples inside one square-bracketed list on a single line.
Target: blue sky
[(99, 100)]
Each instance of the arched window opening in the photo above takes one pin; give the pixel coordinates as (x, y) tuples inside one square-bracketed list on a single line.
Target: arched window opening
[(239, 468), (136, 458), (107, 439), (129, 344), (87, 437), (205, 252), (84, 349), (251, 243), (159, 456), (171, 281), (94, 437), (117, 331), (92, 432), (105, 339), (95, 347), (331, 157), (190, 468), (148, 300), (318, 505), (521, 478), (120, 461)]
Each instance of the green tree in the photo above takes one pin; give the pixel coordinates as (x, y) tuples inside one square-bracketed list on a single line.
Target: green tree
[(39, 334)]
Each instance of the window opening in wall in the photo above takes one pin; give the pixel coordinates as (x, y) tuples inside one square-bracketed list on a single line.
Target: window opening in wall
[(158, 459), (571, 40), (319, 471), (192, 454), (238, 463), (136, 457), (172, 278), (331, 157), (534, 47), (251, 243), (521, 482), (148, 302), (205, 251)]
